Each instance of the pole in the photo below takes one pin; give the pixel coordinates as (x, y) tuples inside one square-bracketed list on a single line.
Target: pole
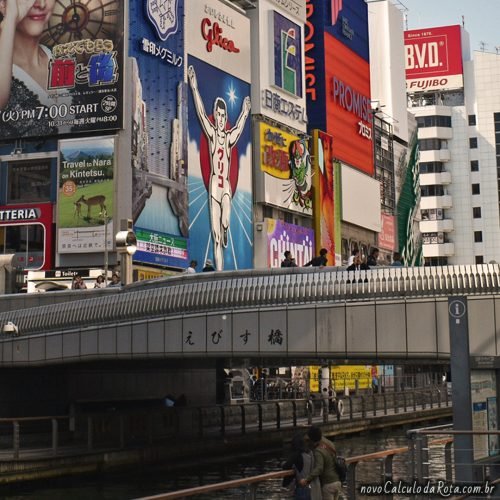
[(106, 256)]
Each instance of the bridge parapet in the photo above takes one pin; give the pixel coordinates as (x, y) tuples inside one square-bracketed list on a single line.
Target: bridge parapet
[(253, 289)]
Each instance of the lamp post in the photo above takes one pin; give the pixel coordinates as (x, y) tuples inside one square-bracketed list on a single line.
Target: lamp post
[(126, 246), (106, 254)]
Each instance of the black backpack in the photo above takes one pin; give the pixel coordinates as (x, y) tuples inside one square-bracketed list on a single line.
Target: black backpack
[(338, 462), (340, 467)]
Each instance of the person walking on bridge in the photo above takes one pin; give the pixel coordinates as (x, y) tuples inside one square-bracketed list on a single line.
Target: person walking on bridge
[(324, 468)]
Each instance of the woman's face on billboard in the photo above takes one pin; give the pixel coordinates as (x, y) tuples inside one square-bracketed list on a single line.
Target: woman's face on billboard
[(35, 21)]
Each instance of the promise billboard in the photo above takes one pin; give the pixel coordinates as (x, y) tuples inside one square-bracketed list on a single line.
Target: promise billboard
[(433, 59), (348, 103)]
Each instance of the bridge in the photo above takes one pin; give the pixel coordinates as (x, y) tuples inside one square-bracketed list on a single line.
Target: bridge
[(394, 313)]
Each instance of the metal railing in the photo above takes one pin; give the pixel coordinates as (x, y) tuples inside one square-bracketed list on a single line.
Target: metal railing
[(111, 429), (252, 483), (256, 288)]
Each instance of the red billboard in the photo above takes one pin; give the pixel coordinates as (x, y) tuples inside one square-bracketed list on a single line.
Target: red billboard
[(348, 105), (26, 231), (433, 59)]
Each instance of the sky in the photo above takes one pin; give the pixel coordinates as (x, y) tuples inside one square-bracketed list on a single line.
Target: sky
[(481, 18)]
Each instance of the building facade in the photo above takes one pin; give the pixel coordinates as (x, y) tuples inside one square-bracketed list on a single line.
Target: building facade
[(456, 108)]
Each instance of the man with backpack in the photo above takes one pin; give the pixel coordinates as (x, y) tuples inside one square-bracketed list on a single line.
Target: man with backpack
[(325, 457)]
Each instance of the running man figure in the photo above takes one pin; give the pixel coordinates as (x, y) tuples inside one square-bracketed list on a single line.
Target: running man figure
[(221, 142)]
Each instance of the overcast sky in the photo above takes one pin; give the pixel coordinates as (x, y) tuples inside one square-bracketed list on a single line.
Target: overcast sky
[(482, 18)]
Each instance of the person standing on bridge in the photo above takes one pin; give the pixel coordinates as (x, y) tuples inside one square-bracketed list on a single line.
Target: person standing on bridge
[(324, 468), (319, 261), (288, 261)]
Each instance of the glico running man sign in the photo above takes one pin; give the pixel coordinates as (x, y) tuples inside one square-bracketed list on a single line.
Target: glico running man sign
[(75, 85)]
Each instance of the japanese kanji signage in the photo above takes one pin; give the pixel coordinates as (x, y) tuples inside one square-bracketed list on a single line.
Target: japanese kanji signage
[(85, 195), (80, 86)]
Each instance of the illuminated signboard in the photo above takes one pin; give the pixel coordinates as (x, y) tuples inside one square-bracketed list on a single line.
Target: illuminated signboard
[(284, 177), (349, 118), (26, 231), (282, 237), (79, 87), (433, 59), (158, 123), (160, 249), (218, 98), (327, 206), (314, 64), (287, 55), (348, 23), (86, 195)]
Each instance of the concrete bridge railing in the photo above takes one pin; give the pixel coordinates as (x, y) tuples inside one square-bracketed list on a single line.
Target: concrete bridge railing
[(249, 289)]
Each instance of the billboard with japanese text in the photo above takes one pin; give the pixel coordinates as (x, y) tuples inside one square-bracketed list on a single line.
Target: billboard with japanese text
[(347, 21), (279, 90), (314, 55), (348, 105), (219, 137), (85, 199), (433, 59), (283, 173), (26, 231), (327, 208), (282, 236), (159, 132), (387, 236), (77, 86)]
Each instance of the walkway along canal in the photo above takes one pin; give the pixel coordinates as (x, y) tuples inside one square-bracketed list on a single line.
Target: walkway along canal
[(42, 447)]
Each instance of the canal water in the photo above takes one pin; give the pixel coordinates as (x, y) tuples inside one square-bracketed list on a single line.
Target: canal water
[(155, 479)]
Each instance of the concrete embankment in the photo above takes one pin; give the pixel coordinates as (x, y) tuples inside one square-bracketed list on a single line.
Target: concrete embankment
[(71, 460)]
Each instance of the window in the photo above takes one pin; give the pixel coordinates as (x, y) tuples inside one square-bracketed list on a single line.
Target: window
[(431, 167), (475, 189), (432, 214), (432, 190), (478, 236), (26, 242), (473, 142), (479, 259), (434, 121), (472, 120), (476, 212), (28, 181), (429, 144), (267, 212), (288, 218), (474, 166)]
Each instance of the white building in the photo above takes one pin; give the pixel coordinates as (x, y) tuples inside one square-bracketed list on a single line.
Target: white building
[(458, 114), (388, 91)]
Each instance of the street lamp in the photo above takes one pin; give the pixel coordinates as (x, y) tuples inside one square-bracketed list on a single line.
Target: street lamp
[(126, 245)]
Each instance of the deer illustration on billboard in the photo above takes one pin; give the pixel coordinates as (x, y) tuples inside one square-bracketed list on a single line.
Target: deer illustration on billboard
[(94, 200)]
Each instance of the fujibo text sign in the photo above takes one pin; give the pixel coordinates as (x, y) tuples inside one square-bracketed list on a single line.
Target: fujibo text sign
[(433, 59)]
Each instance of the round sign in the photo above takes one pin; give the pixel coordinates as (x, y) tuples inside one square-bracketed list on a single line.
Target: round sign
[(456, 309)]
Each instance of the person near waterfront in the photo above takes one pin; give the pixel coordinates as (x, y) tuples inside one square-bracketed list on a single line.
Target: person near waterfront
[(354, 254), (115, 280), (209, 266), (78, 283), (319, 261), (358, 265), (373, 257), (301, 461), (192, 267), (324, 465), (99, 282), (288, 261), (396, 260)]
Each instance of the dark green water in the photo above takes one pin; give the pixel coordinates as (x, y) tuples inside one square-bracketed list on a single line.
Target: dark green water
[(152, 480)]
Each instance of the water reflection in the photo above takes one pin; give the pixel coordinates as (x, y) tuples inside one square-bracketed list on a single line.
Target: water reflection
[(155, 479)]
